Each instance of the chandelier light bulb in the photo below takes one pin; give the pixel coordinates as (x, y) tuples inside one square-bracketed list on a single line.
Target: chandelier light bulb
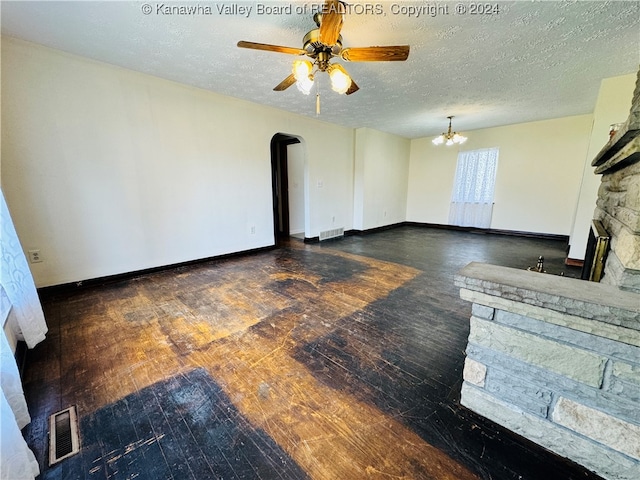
[(457, 138)]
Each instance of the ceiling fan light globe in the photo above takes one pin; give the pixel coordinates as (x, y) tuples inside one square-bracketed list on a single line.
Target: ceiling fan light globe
[(439, 140), (449, 142), (305, 84), (301, 69), (340, 83), (340, 79)]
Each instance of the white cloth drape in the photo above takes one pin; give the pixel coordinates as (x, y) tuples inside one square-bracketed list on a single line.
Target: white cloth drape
[(473, 187), (26, 318), (9, 375), (16, 459), (471, 214), (17, 462), (20, 307)]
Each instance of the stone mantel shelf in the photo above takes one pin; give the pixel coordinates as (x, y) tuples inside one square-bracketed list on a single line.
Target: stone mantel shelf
[(591, 300), (626, 154), (629, 132)]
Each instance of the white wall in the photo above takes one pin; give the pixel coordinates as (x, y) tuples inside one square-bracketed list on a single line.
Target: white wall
[(431, 173), (613, 106), (537, 182), (107, 170), (381, 172)]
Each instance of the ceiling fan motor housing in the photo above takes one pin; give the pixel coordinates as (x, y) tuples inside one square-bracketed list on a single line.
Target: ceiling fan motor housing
[(312, 44)]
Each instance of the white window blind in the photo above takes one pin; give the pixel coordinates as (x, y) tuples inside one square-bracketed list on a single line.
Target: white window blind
[(473, 187)]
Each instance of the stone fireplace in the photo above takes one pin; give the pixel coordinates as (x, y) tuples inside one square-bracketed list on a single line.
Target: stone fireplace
[(555, 359), (618, 205)]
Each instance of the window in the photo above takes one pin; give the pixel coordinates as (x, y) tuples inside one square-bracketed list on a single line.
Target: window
[(472, 197)]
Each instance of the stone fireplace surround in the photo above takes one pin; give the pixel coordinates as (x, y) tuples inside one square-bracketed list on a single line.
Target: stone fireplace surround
[(618, 204), (555, 359)]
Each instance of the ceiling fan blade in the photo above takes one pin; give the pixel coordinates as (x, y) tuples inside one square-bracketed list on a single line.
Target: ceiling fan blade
[(331, 22), (397, 53), (353, 88), (271, 48), (286, 83)]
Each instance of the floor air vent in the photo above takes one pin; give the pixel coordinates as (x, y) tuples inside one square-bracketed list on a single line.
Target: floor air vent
[(63, 435), (336, 232)]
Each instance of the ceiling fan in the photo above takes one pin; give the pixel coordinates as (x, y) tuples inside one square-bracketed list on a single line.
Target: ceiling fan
[(324, 43)]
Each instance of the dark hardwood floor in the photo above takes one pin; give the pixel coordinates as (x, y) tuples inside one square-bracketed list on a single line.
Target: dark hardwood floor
[(340, 360)]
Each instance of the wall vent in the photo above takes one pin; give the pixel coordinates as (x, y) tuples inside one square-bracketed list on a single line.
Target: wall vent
[(63, 435), (334, 233)]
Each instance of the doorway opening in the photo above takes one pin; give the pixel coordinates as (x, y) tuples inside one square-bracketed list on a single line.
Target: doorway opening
[(287, 179)]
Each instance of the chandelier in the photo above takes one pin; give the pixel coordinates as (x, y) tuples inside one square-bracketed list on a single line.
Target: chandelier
[(449, 138)]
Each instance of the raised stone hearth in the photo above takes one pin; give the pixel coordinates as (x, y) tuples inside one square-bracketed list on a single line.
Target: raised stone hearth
[(556, 360)]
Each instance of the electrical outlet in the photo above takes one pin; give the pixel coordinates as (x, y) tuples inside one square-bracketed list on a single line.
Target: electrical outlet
[(253, 230), (34, 256)]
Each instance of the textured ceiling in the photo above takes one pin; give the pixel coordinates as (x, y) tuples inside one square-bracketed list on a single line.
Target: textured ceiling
[(525, 61)]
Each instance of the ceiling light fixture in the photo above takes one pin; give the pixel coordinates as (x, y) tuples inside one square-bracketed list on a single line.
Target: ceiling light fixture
[(449, 138), (303, 72)]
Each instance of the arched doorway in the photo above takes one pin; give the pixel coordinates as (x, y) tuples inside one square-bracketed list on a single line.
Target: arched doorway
[(287, 175)]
